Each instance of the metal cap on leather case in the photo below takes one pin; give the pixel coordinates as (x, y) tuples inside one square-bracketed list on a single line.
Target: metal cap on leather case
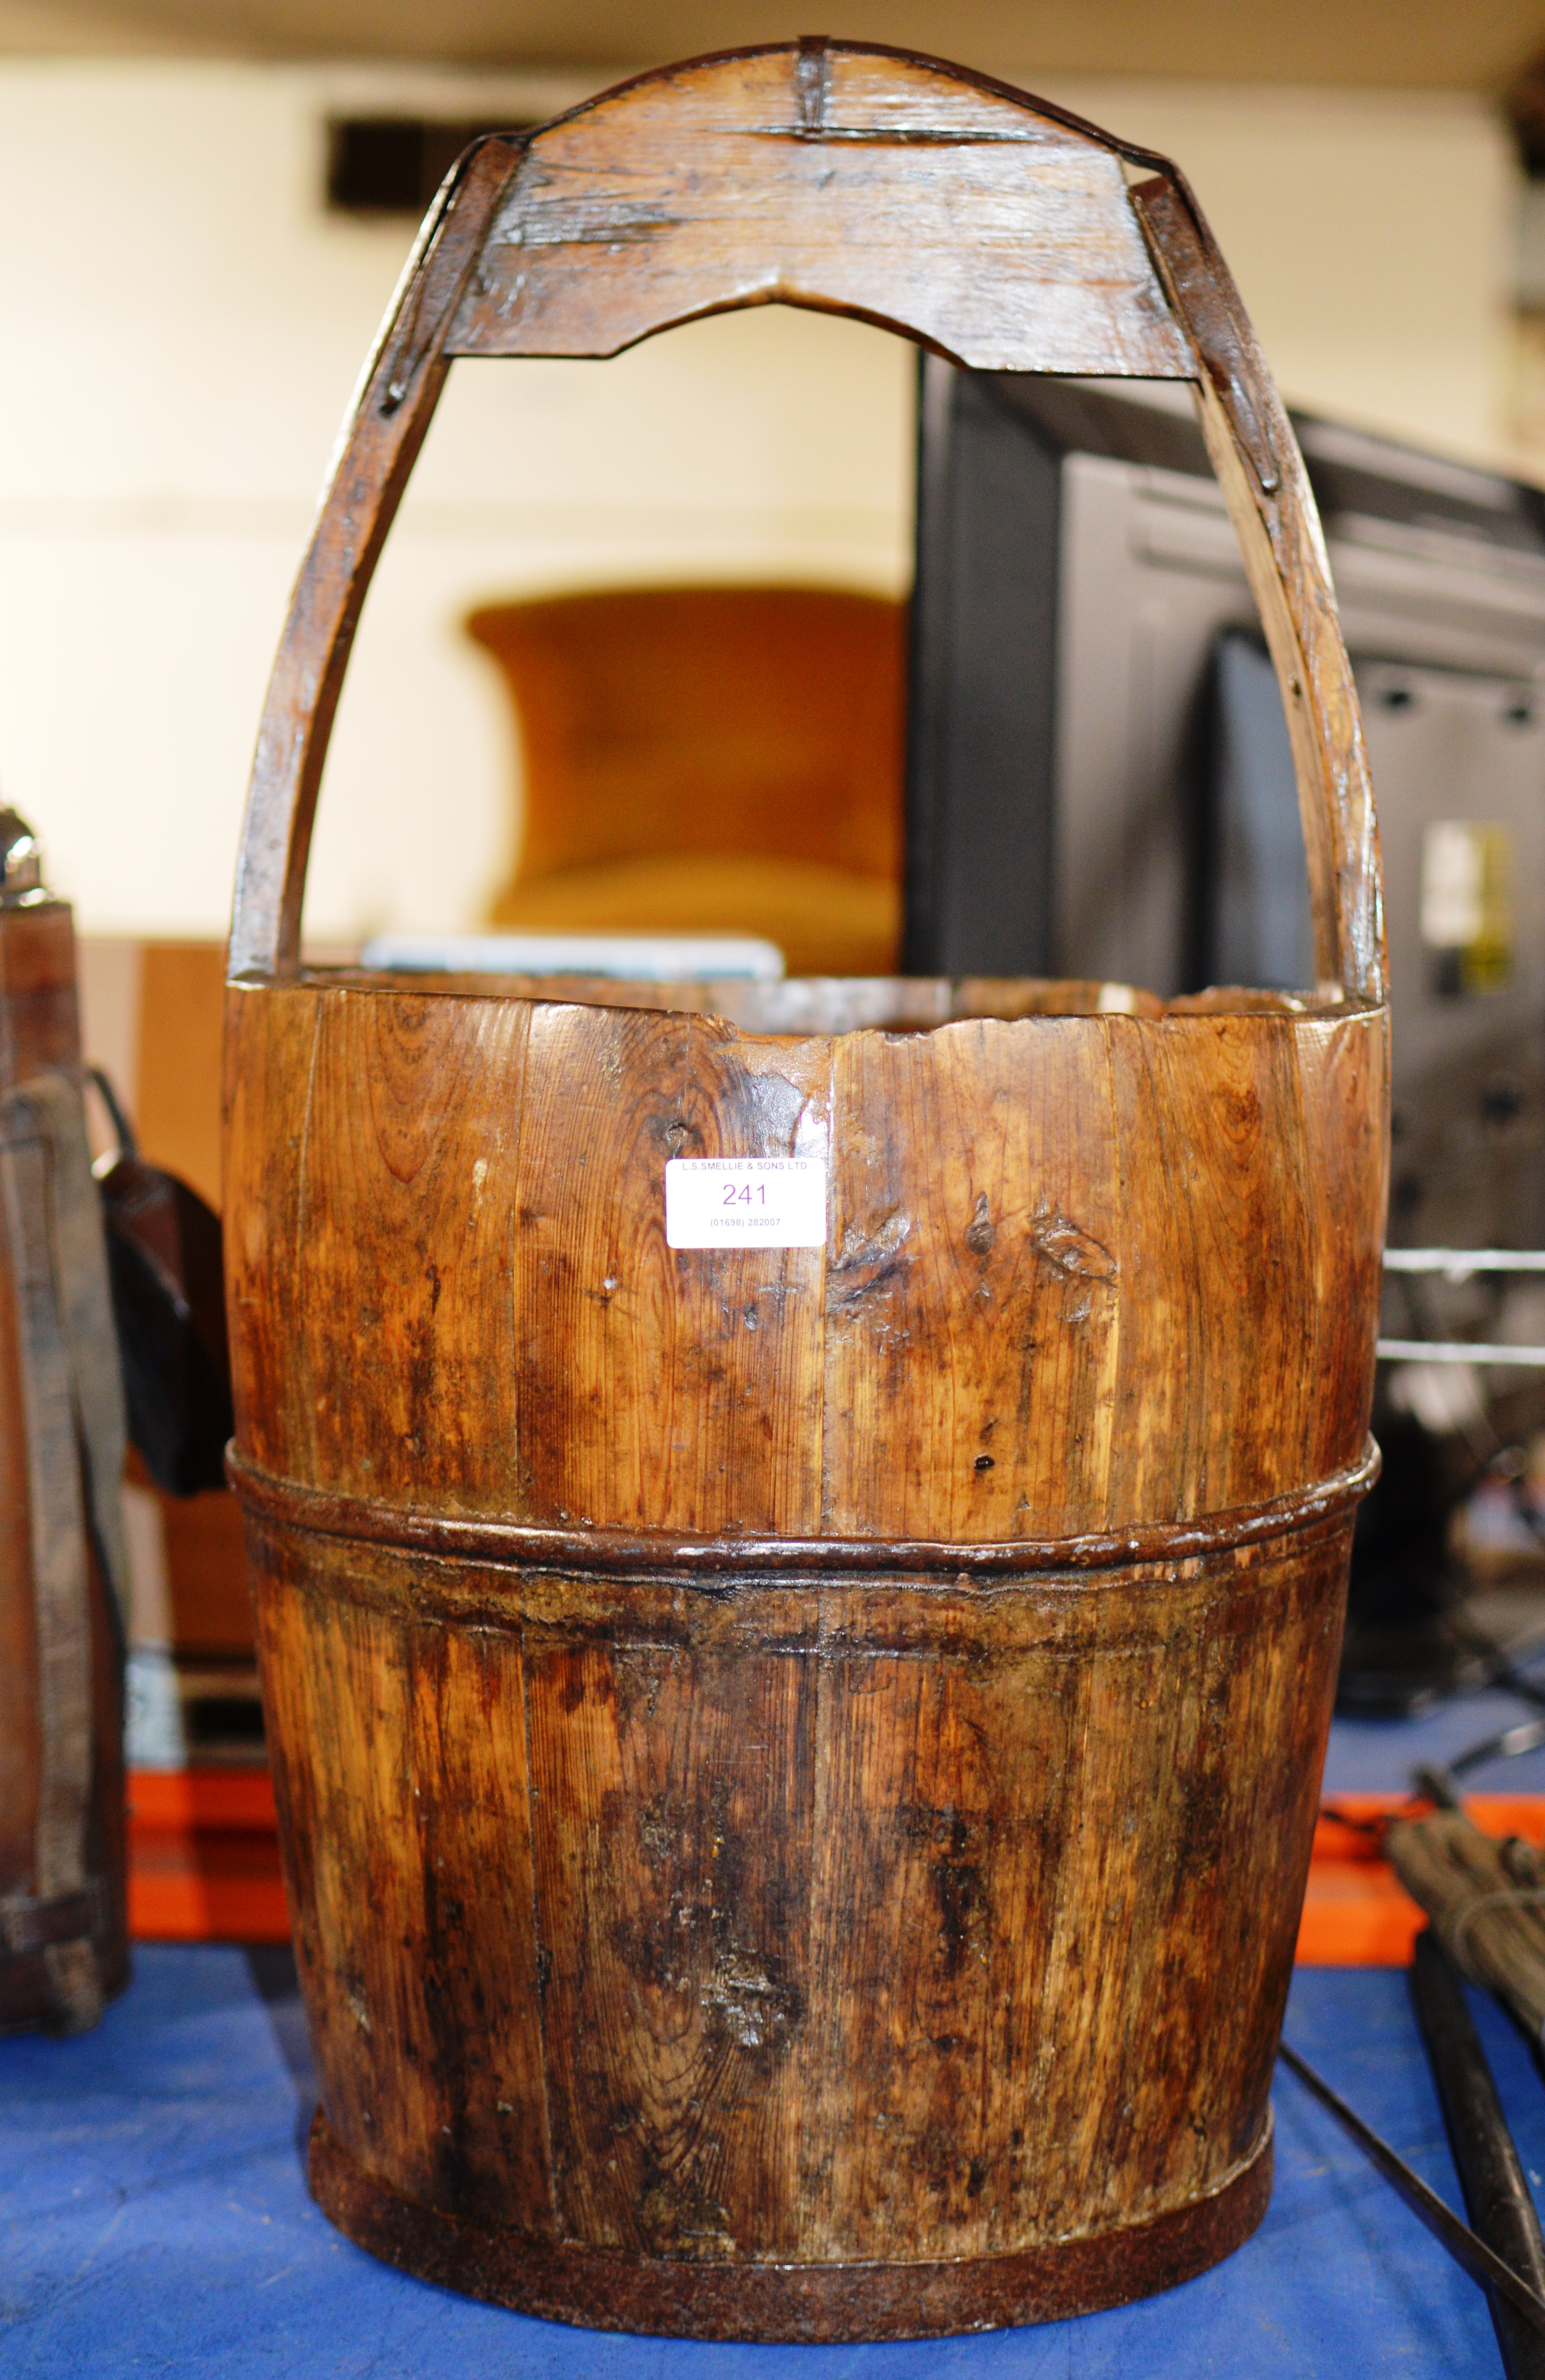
[(20, 862)]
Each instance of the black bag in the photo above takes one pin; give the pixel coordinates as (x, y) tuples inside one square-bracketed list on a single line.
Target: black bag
[(164, 1263)]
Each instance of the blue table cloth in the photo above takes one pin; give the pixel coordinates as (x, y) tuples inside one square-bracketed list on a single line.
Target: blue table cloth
[(153, 2219), (1376, 1756)]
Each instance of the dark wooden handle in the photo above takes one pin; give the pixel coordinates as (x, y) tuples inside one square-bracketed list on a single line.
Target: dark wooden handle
[(938, 204), (1261, 473), (399, 392)]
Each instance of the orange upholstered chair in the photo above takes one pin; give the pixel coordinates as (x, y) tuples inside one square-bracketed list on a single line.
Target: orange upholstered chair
[(703, 758)]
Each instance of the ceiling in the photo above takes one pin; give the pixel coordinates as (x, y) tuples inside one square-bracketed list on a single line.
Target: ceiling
[(1432, 44)]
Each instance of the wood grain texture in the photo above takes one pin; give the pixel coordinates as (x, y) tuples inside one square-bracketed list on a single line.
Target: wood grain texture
[(268, 1059), (399, 1771), (724, 1917), (40, 1008), (802, 2304), (974, 1285), (1212, 1398), (1075, 1267), (1034, 1816), (402, 1260), (672, 1842), (1344, 1067), (604, 1552), (678, 1386), (407, 375), (819, 176), (816, 1924)]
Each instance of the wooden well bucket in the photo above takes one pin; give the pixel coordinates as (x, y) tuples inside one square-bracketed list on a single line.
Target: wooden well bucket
[(797, 1765)]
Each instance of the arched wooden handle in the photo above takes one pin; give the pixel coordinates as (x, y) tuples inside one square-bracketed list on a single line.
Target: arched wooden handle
[(992, 227), (1261, 473), (393, 407)]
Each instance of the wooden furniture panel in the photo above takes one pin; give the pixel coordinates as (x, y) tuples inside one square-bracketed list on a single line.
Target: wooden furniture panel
[(210, 1607), (62, 1941), (710, 760), (175, 1101)]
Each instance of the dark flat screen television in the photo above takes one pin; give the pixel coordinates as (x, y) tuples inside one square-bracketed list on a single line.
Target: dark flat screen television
[(1099, 779)]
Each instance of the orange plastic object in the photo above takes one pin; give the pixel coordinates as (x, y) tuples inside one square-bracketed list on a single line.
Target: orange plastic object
[(203, 1857), (204, 1852), (1356, 1913)]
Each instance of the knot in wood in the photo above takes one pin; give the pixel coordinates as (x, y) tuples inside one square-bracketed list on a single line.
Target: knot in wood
[(981, 1231)]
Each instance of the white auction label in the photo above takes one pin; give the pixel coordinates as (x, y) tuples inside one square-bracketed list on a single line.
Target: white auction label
[(770, 1202)]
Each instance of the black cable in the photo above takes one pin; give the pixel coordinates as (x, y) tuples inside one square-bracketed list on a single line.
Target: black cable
[(1481, 2262), (1497, 2196)]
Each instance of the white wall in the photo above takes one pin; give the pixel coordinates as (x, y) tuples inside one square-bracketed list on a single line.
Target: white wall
[(190, 326), (186, 325), (1371, 234)]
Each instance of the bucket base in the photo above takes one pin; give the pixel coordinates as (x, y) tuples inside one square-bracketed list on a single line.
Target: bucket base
[(813, 2304)]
